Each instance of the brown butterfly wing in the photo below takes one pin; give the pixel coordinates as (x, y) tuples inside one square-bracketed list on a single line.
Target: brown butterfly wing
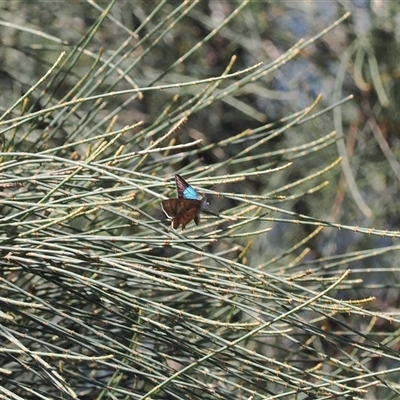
[(197, 217), (190, 211), (182, 211), (170, 207)]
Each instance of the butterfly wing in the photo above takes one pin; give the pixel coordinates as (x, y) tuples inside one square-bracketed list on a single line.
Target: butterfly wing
[(170, 207), (181, 186), (187, 206), (185, 191), (190, 211), (182, 211)]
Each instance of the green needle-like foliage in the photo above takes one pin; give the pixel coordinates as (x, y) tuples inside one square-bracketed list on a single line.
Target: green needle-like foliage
[(101, 298)]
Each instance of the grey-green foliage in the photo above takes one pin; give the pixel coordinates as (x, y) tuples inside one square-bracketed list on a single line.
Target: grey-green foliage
[(101, 105)]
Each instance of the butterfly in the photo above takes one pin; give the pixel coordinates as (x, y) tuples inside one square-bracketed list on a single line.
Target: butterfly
[(187, 206)]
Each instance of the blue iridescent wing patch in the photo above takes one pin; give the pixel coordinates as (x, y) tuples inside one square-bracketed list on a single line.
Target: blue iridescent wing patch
[(190, 193), (185, 191)]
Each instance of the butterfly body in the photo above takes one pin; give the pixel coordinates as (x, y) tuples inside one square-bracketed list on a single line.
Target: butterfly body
[(187, 206)]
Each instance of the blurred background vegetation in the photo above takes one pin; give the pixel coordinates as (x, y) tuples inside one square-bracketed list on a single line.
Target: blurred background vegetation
[(284, 114)]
